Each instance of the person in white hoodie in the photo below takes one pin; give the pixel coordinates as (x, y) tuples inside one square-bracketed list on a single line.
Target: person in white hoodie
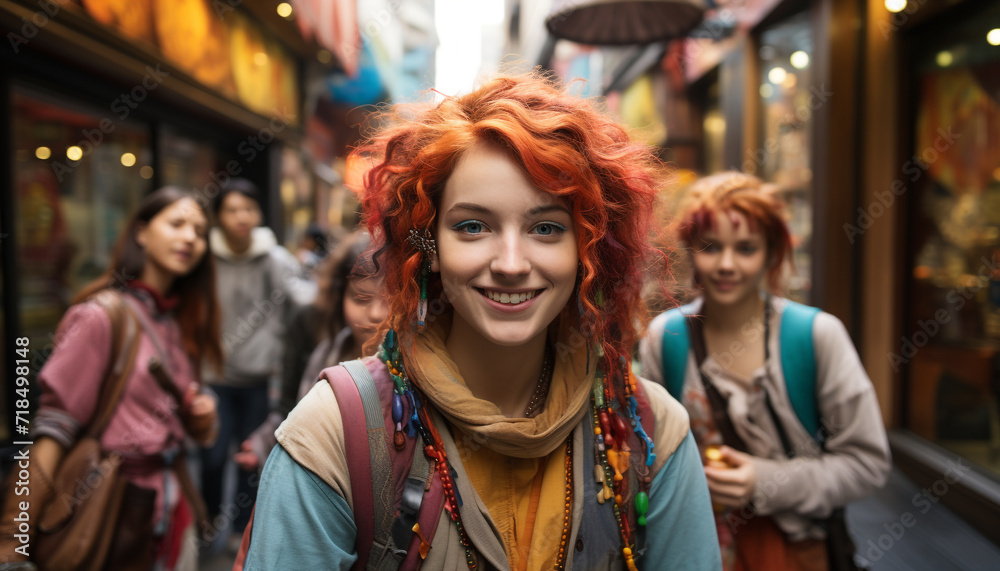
[(257, 280)]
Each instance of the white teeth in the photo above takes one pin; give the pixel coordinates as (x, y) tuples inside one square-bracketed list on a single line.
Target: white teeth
[(510, 298)]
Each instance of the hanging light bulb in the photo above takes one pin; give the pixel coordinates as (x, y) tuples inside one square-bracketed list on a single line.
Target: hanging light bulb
[(799, 60), (895, 5)]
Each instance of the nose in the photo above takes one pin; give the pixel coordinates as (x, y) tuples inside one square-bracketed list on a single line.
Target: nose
[(188, 233), (510, 259), (726, 261)]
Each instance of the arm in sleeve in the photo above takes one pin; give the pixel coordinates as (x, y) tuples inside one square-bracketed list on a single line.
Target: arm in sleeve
[(680, 529), (856, 460), (651, 350), (299, 521), (72, 377)]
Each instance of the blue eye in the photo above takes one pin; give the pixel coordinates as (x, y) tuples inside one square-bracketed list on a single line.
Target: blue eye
[(549, 228), (469, 227)]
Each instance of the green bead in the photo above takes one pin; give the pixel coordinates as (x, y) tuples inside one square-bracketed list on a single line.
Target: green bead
[(641, 507), (598, 390)]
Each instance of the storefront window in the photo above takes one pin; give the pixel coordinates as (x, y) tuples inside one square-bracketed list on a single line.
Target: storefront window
[(951, 345), (713, 128), (783, 156), (79, 171), (187, 162)]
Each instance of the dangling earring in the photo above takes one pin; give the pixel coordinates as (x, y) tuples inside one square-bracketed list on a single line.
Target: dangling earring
[(423, 241)]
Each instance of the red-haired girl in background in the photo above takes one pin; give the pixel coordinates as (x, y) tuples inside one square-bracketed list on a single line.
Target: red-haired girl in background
[(780, 405), (513, 223)]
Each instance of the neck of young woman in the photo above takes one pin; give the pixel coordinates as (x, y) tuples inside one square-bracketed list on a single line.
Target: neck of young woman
[(505, 376), (157, 278), (732, 317)]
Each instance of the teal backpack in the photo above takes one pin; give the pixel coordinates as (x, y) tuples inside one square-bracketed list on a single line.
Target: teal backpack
[(798, 358)]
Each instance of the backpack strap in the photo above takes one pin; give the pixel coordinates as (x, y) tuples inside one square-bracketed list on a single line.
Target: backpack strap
[(428, 511), (798, 363), (411, 500), (675, 347), (368, 457), (124, 349), (376, 473)]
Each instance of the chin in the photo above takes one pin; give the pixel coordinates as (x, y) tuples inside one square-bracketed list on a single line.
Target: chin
[(510, 334), (182, 271), (728, 297)]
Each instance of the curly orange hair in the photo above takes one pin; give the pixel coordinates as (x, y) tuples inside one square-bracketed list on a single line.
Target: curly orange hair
[(750, 196), (567, 148)]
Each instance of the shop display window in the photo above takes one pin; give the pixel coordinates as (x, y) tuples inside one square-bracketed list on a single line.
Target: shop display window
[(788, 98), (713, 126), (79, 171), (189, 163), (950, 349)]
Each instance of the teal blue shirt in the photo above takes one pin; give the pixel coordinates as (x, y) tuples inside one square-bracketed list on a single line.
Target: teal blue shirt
[(301, 523)]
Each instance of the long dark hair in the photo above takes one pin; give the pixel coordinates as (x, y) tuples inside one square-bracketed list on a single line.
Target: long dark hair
[(198, 310)]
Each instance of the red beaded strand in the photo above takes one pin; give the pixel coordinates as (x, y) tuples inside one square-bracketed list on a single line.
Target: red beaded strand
[(436, 451)]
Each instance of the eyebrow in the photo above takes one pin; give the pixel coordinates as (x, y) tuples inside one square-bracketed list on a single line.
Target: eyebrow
[(470, 206), (531, 212), (548, 208)]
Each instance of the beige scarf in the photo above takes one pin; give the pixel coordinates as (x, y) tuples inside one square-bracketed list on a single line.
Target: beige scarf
[(431, 368)]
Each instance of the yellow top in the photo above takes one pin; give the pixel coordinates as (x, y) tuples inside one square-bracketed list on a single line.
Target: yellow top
[(505, 485)]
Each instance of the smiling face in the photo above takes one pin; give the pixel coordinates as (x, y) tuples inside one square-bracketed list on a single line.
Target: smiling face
[(730, 259), (175, 239), (507, 251)]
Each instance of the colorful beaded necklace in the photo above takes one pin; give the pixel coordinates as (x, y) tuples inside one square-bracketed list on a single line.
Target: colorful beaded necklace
[(611, 450)]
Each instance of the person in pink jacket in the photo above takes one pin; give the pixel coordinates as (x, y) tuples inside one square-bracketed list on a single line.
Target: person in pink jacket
[(167, 283)]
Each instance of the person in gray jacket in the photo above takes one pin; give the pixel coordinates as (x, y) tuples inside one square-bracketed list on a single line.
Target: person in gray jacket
[(257, 282)]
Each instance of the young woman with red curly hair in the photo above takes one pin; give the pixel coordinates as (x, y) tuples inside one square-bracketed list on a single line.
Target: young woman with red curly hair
[(513, 227), (780, 405)]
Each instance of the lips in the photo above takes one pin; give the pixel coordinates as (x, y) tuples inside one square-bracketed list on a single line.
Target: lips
[(725, 286), (509, 298), (184, 257)]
